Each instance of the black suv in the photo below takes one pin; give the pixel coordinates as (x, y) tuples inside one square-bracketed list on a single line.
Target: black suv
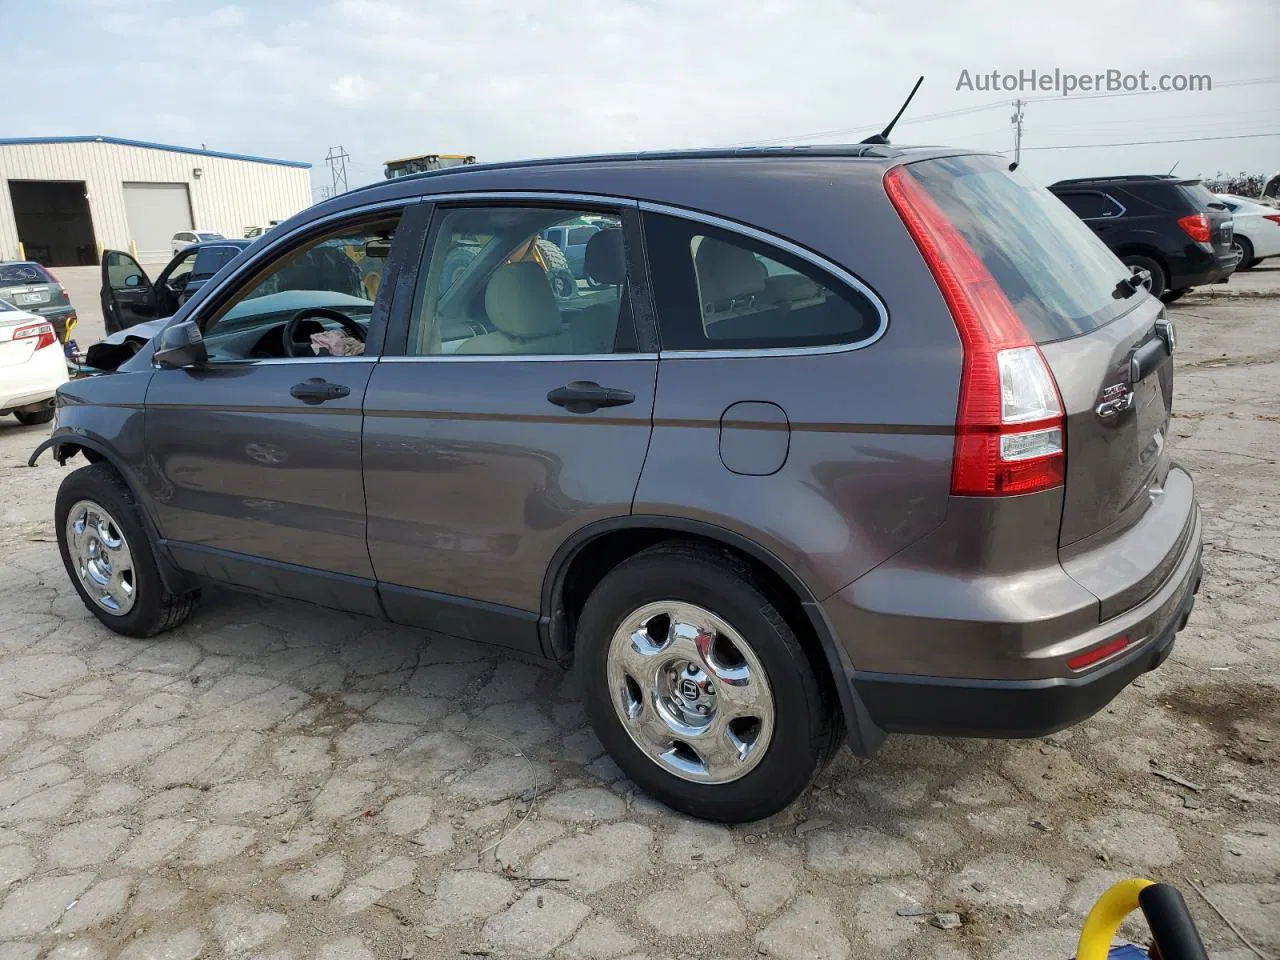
[(1176, 230)]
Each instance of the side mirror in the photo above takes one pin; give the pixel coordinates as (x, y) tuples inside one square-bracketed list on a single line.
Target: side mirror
[(133, 280), (180, 345)]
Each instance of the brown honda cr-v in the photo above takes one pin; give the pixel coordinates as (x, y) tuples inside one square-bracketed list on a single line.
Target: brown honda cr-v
[(823, 444)]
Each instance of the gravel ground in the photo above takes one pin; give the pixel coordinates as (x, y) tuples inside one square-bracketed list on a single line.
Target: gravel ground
[(280, 781)]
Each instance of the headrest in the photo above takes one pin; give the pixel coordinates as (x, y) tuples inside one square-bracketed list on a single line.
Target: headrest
[(520, 303), (727, 272), (605, 261)]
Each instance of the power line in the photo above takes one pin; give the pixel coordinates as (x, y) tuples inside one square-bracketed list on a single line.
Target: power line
[(1143, 143), (963, 111), (1141, 93), (874, 125)]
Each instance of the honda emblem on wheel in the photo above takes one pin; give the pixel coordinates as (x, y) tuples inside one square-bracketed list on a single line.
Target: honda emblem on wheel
[(689, 689)]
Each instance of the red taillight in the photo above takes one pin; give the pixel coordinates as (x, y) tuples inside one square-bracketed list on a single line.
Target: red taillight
[(1010, 431), (1273, 217), (43, 332), (1195, 226), (1101, 652)]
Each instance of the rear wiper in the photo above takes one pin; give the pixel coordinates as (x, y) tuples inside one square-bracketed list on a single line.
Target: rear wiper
[(1131, 284)]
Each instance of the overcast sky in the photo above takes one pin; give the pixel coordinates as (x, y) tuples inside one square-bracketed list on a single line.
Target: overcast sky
[(289, 78)]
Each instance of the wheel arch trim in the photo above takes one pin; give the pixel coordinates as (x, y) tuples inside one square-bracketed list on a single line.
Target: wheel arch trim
[(67, 445), (864, 737)]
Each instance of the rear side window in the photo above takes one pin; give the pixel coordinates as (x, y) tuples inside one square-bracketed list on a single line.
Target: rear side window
[(1090, 206), (1058, 275), (720, 290)]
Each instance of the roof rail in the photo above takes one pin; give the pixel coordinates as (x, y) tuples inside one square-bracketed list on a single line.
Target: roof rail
[(707, 153), (1125, 177)]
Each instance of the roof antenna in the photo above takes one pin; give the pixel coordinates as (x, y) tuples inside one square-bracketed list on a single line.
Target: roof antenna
[(883, 135), (1173, 168)]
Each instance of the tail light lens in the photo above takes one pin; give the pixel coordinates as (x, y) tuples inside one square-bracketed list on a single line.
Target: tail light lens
[(1010, 430), (1195, 226), (1273, 217), (43, 333)]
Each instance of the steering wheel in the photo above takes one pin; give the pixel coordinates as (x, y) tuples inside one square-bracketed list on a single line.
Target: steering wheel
[(291, 326)]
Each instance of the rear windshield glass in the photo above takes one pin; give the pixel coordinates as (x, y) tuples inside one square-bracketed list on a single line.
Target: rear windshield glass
[(1058, 275), (12, 274), (1202, 195)]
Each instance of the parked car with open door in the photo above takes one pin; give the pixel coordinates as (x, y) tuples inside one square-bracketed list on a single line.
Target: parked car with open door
[(129, 296)]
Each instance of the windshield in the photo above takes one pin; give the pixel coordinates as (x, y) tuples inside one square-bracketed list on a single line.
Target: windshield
[(1059, 276), (12, 274), (210, 236)]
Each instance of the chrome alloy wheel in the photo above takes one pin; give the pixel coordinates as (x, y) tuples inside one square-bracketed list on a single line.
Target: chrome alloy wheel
[(690, 692), (102, 558)]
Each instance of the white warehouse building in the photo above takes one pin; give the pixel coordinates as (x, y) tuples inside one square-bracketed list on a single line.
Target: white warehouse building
[(65, 199)]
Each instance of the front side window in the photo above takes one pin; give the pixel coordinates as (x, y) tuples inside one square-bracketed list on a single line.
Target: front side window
[(494, 285), (123, 272), (313, 300), (719, 290)]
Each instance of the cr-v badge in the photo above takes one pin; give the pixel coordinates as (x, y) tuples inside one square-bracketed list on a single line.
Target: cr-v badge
[(1116, 399)]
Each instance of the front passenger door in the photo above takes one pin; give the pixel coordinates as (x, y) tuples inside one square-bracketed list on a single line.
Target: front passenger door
[(255, 466)]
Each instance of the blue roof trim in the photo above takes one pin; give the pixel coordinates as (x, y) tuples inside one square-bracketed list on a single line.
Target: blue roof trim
[(121, 141)]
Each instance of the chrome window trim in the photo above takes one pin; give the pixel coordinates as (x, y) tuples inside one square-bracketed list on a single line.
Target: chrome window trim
[(272, 361), (507, 357), (1110, 199), (801, 253)]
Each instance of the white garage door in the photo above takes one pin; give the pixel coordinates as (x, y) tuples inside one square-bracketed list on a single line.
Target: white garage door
[(156, 212)]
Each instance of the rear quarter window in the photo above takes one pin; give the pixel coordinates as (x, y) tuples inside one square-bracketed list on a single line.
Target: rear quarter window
[(1060, 278), (716, 289)]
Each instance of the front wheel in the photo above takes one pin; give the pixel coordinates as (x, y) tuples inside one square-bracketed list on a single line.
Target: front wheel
[(109, 557), (699, 688)]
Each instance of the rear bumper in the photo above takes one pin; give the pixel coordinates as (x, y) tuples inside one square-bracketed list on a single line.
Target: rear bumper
[(903, 703), (35, 381), (1203, 271)]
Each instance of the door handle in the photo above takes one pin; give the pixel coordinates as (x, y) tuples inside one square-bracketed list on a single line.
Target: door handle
[(318, 390), (584, 396)]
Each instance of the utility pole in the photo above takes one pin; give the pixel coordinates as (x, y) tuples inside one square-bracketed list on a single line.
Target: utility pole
[(337, 158), (1016, 120)]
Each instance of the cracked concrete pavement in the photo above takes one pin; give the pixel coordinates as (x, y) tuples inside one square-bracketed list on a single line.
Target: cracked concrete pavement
[(273, 780)]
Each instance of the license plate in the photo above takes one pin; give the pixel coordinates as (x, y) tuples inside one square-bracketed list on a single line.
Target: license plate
[(25, 298)]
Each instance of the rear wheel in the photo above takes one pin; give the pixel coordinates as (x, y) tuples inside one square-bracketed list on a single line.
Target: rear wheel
[(699, 688), (109, 557), (29, 418), (1171, 295), (1158, 280), (1243, 249)]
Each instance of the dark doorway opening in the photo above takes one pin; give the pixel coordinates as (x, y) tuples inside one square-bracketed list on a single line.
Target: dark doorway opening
[(53, 222)]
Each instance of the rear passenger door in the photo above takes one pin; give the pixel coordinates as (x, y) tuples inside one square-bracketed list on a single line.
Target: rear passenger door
[(774, 416), (510, 412)]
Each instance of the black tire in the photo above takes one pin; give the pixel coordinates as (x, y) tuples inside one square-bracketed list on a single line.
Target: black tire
[(1158, 279), (1242, 246), (154, 609), (805, 731), (1254, 262), (1171, 295), (31, 418)]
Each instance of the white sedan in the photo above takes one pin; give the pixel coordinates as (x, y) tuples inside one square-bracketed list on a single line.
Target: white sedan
[(1257, 229), (32, 365)]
